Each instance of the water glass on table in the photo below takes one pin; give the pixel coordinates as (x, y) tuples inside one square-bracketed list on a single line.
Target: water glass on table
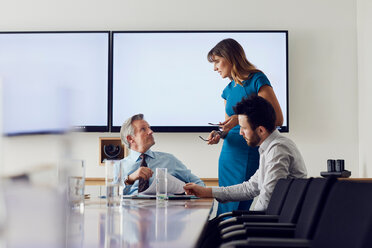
[(76, 182), (161, 184), (112, 179)]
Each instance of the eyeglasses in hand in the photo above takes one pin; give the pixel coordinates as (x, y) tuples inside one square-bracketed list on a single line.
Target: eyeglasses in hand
[(204, 139), (214, 124), (214, 132)]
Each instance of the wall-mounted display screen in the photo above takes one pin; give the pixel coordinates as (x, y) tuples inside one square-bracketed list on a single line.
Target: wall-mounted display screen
[(52, 81), (167, 77)]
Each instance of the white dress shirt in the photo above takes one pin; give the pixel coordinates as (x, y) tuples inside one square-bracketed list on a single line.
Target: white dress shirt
[(279, 158)]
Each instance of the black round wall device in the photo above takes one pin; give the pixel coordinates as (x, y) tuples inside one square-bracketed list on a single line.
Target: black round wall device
[(112, 151)]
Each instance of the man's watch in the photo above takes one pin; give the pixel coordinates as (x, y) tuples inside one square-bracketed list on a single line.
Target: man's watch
[(126, 180)]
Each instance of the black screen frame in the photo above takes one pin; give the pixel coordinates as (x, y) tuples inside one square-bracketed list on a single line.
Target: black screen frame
[(194, 129)]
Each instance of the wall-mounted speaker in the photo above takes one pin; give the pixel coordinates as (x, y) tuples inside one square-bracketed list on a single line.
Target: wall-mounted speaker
[(112, 151), (111, 148)]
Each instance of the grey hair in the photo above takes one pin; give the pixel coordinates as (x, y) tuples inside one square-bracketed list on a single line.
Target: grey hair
[(127, 128)]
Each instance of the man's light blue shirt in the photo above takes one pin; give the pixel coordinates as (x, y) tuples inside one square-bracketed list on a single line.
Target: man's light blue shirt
[(155, 160)]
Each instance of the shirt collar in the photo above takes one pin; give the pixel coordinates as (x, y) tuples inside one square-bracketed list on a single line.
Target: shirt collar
[(134, 155), (265, 144)]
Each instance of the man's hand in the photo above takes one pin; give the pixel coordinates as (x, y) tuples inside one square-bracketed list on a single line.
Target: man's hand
[(141, 172), (199, 191)]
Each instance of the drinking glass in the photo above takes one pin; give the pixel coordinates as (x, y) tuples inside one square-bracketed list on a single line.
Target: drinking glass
[(161, 183), (76, 182), (113, 178)]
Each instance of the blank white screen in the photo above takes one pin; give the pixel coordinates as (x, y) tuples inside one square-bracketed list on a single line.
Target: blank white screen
[(167, 76), (53, 80)]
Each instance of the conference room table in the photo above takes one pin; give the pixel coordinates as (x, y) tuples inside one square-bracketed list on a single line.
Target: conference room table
[(138, 223), (39, 217)]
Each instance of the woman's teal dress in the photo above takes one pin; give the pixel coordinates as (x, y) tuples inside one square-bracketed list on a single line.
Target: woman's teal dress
[(238, 161)]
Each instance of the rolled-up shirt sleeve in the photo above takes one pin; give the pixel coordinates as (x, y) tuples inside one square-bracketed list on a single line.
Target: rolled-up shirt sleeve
[(240, 192)]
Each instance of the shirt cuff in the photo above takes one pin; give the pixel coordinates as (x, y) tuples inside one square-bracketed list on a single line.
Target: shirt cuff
[(218, 193)]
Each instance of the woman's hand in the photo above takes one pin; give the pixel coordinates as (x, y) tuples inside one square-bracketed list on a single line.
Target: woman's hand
[(213, 138), (229, 123)]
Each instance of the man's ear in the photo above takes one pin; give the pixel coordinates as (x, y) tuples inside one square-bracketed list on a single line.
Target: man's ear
[(130, 139), (261, 130)]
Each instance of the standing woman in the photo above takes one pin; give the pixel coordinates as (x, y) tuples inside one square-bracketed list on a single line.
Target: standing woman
[(238, 162)]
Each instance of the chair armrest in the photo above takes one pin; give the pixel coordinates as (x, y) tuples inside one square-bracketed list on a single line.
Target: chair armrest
[(232, 228), (256, 225), (269, 224), (247, 218), (257, 232), (271, 232), (258, 218), (239, 213), (277, 242), (267, 242), (247, 212), (223, 216)]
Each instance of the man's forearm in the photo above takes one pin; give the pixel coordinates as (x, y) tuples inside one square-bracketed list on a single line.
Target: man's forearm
[(232, 193), (129, 180)]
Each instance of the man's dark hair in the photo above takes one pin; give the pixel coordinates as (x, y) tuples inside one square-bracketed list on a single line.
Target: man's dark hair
[(259, 112)]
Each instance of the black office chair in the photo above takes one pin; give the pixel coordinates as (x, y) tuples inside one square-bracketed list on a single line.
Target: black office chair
[(273, 208), (290, 211), (211, 231), (346, 221), (312, 206)]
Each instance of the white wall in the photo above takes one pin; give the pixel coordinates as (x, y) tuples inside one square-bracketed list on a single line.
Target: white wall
[(323, 100), (365, 86)]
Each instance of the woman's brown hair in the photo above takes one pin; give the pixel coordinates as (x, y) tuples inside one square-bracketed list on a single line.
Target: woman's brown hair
[(233, 52)]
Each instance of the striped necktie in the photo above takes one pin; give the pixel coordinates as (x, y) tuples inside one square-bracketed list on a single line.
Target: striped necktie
[(143, 184)]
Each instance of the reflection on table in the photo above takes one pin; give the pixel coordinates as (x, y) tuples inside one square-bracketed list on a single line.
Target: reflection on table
[(35, 217), (39, 216), (138, 223)]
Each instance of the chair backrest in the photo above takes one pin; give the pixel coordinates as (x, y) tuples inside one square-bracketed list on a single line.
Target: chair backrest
[(313, 206), (278, 196), (293, 201), (346, 220)]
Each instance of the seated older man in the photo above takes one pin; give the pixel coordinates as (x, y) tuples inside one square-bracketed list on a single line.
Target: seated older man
[(138, 167)]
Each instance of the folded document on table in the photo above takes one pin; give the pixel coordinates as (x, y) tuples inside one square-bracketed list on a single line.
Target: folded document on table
[(175, 186)]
